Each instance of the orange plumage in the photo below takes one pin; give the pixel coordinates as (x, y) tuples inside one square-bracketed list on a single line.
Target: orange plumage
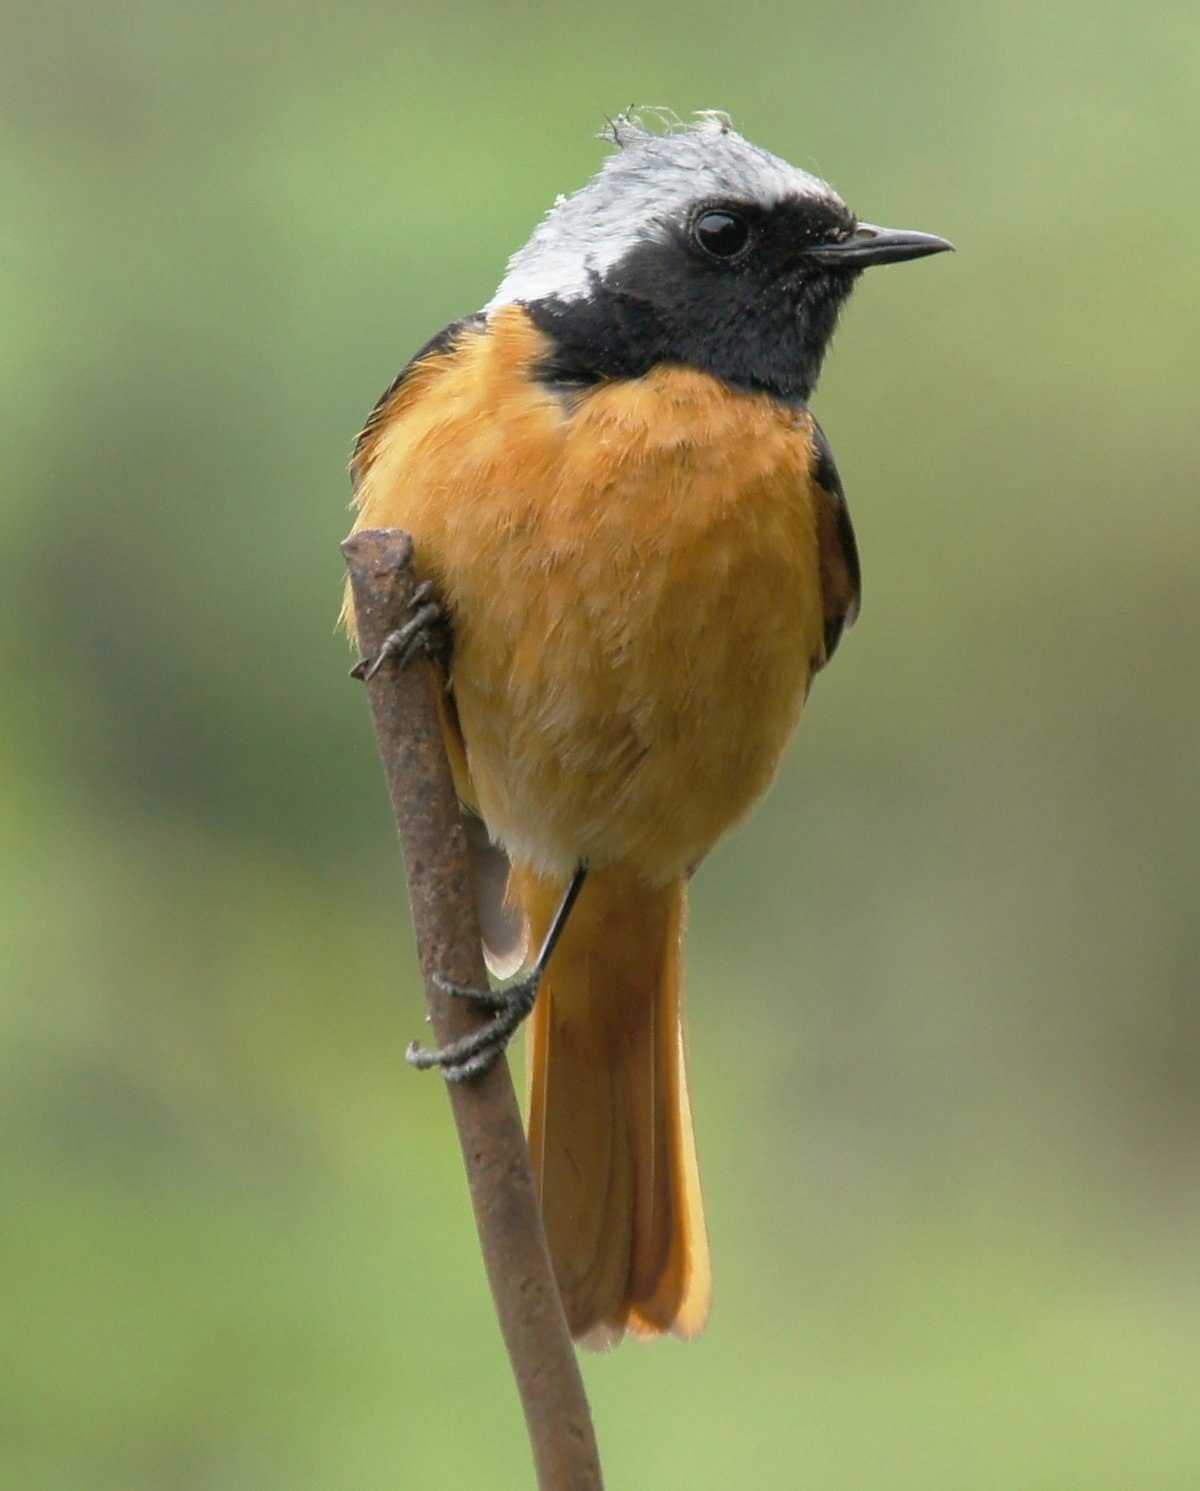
[(634, 581)]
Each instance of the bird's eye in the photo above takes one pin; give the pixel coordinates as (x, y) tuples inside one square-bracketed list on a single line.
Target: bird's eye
[(722, 234)]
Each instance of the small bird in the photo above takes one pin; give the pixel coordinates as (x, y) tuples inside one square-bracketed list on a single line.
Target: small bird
[(642, 555)]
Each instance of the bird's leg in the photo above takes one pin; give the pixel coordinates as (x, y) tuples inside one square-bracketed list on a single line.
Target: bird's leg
[(427, 629), (474, 1053)]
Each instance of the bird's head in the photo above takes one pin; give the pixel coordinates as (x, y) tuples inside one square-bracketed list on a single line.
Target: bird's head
[(694, 246)]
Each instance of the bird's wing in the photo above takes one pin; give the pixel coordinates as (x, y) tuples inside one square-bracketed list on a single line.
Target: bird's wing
[(364, 446), (841, 579), (502, 926)]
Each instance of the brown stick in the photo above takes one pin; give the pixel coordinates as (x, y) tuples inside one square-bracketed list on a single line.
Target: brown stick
[(496, 1157)]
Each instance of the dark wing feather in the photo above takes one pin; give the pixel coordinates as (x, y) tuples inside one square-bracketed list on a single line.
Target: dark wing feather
[(841, 578), (442, 342)]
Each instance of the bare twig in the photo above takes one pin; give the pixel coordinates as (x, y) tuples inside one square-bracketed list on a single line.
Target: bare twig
[(404, 708)]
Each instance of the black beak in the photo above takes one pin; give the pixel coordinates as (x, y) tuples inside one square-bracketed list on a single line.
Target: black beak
[(869, 245)]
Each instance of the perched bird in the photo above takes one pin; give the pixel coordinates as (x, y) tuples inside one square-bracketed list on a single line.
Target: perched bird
[(643, 555)]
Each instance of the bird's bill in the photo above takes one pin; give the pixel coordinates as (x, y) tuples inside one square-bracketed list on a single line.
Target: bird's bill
[(869, 245)]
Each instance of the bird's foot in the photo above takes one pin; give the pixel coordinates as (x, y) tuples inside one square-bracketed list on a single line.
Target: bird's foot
[(427, 630), (474, 1053)]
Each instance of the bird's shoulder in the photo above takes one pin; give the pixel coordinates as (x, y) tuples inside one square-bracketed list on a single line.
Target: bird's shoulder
[(442, 342)]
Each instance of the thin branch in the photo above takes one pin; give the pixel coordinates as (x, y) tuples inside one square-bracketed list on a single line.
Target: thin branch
[(496, 1157)]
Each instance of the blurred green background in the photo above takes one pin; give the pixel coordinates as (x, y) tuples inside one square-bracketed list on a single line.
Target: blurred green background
[(946, 1031)]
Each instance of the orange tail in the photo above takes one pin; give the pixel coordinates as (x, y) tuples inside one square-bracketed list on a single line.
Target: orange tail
[(610, 1124)]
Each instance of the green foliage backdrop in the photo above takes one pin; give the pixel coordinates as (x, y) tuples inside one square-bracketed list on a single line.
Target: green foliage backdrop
[(944, 988)]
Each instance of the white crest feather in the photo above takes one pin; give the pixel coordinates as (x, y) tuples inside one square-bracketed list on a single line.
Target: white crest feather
[(661, 167)]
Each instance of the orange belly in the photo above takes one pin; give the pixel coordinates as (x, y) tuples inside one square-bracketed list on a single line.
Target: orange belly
[(634, 588)]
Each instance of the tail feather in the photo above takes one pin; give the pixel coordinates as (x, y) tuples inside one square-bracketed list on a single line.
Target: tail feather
[(610, 1125)]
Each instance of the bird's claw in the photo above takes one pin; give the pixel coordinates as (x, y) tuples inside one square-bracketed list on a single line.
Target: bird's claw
[(419, 632), (474, 1053)]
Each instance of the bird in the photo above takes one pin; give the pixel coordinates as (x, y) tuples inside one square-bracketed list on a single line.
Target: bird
[(635, 555)]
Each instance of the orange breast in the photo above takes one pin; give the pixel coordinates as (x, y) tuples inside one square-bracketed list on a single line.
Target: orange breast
[(633, 582)]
